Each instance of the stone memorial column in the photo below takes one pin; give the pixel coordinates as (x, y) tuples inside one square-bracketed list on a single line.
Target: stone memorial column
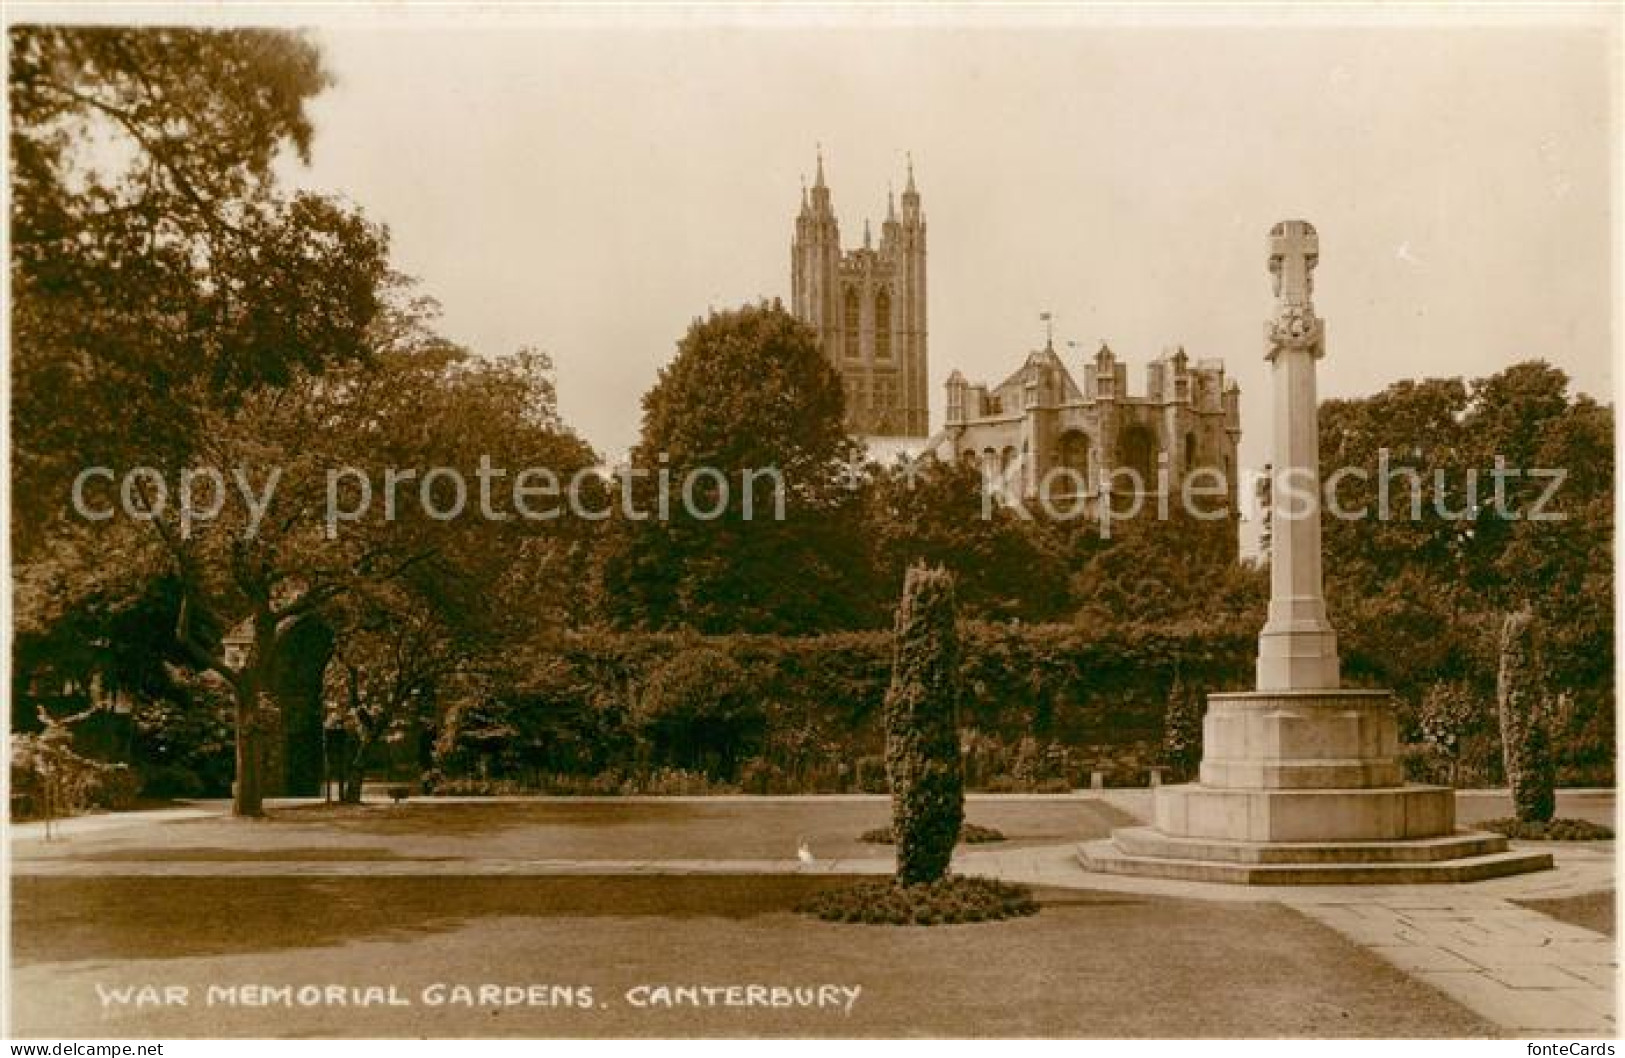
[(1297, 649), (1301, 780)]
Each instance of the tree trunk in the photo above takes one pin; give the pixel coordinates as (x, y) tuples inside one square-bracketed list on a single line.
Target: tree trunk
[(355, 770), (350, 794), (248, 798), (255, 698), (355, 774)]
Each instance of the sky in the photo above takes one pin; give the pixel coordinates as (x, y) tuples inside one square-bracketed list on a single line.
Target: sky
[(589, 188)]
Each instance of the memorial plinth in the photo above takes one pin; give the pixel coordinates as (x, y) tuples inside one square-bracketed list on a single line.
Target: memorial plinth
[(1301, 781)]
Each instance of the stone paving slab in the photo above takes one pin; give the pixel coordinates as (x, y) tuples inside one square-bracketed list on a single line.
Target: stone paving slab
[(1521, 969), (1526, 1012)]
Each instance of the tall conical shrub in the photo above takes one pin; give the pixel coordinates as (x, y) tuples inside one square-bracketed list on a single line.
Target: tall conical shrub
[(922, 728), (1525, 742)]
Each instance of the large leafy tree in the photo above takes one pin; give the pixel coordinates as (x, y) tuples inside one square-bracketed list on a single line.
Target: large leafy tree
[(1152, 571), (1419, 593), (748, 392), (934, 512), (174, 308), (395, 570), (157, 273), (161, 284), (490, 584)]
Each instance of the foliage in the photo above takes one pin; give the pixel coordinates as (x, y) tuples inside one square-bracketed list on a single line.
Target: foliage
[(814, 704), (1549, 830), (51, 781), (184, 738), (1166, 571), (945, 901), (871, 774), (969, 834), (157, 272), (1418, 601), (1004, 567), (1449, 718), (695, 705), (1525, 740), (1182, 731), (173, 780), (162, 284), (1004, 783), (922, 728), (748, 392), (662, 782)]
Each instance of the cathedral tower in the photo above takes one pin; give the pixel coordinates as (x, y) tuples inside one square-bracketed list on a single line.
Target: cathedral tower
[(868, 308)]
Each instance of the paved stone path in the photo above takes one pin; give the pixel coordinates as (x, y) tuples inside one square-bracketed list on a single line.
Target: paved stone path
[(1525, 971)]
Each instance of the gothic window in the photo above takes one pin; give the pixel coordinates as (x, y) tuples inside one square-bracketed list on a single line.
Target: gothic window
[(850, 323), (1074, 456), (883, 326), (1137, 451)]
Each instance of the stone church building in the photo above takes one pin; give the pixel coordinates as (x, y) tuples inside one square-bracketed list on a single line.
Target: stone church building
[(1040, 423), (868, 307)]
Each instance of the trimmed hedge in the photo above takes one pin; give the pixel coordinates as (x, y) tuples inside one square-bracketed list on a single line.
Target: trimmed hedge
[(1043, 706), (810, 708)]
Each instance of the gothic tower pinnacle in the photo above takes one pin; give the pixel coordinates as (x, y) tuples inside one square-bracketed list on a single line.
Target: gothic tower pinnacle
[(867, 307)]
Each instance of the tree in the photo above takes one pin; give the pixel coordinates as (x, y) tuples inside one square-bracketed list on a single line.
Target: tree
[(696, 711), (164, 292), (1155, 571), (749, 393), (393, 654), (156, 272), (273, 571), (1525, 739), (1419, 592), (922, 728), (933, 512)]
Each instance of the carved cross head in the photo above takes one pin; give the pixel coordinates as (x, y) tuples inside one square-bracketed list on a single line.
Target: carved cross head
[(1294, 252)]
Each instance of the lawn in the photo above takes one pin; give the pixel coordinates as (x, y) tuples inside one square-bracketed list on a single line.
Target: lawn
[(723, 828), (1089, 964)]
